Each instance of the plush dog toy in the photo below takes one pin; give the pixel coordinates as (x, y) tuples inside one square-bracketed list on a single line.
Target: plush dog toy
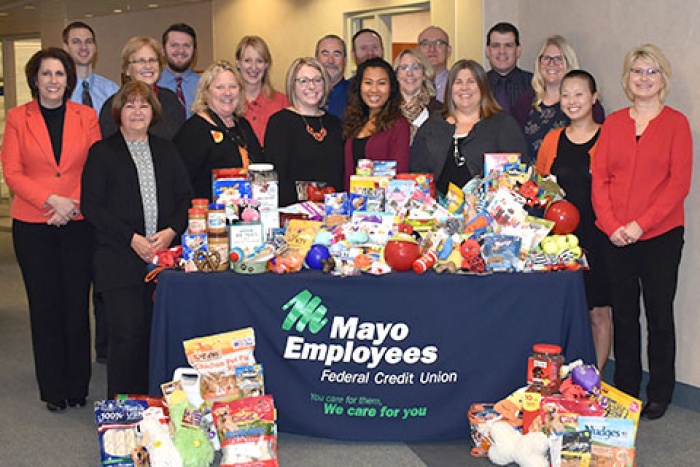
[(156, 440), (192, 442), (509, 445)]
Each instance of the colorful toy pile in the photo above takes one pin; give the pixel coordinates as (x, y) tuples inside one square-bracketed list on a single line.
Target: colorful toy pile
[(511, 220), (217, 405), (564, 416)]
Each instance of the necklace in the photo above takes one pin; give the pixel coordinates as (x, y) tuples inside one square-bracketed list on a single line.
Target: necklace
[(319, 135)]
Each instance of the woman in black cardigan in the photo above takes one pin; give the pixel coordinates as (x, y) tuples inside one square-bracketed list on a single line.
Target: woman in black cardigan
[(136, 194)]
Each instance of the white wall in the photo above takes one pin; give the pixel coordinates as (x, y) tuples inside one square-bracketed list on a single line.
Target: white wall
[(601, 32)]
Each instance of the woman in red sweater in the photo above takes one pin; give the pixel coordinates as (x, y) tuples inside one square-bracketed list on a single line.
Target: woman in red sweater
[(641, 176)]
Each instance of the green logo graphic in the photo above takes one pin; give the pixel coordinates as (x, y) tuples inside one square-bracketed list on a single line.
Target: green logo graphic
[(305, 309)]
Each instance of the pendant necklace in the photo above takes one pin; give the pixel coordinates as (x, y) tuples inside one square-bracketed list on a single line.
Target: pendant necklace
[(319, 135)]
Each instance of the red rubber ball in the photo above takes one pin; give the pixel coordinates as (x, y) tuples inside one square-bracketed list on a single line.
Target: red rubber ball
[(564, 215)]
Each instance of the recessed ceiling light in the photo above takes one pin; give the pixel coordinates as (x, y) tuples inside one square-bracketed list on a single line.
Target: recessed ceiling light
[(2, 13), (153, 5), (117, 10), (89, 15), (29, 7)]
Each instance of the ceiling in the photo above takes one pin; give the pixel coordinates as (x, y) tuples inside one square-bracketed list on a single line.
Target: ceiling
[(80, 9)]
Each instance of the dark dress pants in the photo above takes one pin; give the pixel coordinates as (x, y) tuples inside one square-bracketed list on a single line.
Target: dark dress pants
[(56, 268), (129, 312), (649, 267)]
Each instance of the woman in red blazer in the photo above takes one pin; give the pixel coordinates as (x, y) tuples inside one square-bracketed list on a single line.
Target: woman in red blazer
[(45, 146)]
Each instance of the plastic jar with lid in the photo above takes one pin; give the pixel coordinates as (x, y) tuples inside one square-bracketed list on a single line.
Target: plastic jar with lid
[(219, 242), (200, 203), (216, 219), (543, 367), (197, 221)]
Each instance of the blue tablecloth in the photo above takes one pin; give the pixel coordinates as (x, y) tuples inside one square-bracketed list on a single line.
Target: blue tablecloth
[(393, 358)]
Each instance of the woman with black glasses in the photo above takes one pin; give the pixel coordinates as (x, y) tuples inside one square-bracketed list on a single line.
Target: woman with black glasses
[(217, 136), (451, 144)]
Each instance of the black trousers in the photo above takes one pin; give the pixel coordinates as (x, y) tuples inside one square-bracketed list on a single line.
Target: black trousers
[(56, 265), (649, 268), (129, 311)]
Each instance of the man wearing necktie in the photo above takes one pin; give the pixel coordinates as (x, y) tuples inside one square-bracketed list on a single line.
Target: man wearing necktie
[(91, 89), (503, 49), (180, 47)]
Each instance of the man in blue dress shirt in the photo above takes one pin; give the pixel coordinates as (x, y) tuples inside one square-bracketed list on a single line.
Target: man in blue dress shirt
[(91, 89), (331, 52), (180, 48), (503, 49)]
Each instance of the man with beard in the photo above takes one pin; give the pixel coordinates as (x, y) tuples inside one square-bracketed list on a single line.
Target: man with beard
[(331, 52), (180, 47), (91, 89)]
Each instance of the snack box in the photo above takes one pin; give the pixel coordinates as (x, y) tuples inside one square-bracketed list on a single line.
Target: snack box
[(384, 168), (495, 161), (191, 243), (245, 236), (612, 440), (425, 182)]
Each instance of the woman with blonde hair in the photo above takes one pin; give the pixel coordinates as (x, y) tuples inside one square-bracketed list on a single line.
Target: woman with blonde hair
[(143, 60), (217, 135), (452, 143), (254, 61), (538, 111), (641, 177), (416, 77), (303, 141)]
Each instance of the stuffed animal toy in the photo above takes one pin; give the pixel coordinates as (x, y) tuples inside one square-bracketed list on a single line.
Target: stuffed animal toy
[(156, 440), (509, 445), (192, 442)]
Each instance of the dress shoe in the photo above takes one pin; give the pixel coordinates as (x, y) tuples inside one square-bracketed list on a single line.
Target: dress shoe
[(56, 406), (77, 402), (654, 410)]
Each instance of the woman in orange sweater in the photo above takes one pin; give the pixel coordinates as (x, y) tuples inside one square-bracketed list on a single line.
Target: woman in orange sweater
[(567, 153)]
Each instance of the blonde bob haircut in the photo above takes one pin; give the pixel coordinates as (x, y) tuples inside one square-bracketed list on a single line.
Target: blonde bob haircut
[(487, 106), (428, 71), (260, 46), (293, 72), (133, 45), (570, 61), (651, 54), (200, 103)]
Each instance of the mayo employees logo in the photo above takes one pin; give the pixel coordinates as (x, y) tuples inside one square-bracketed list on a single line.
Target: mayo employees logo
[(349, 339), (306, 310)]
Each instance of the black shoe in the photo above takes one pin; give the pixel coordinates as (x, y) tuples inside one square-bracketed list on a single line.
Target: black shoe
[(77, 402), (56, 406), (101, 359), (654, 410)]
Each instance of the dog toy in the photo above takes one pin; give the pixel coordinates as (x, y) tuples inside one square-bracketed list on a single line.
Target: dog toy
[(509, 445), (156, 440), (190, 440)]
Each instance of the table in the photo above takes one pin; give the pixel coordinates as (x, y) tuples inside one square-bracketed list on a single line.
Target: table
[(393, 358)]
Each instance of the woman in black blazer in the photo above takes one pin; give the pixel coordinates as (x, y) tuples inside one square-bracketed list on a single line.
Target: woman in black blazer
[(136, 193)]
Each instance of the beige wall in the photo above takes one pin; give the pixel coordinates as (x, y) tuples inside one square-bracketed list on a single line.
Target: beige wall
[(113, 31), (292, 27), (602, 32)]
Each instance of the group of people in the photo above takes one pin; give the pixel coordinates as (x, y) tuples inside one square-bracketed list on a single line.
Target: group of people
[(161, 133)]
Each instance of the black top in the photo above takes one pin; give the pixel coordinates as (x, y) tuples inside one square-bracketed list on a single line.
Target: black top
[(572, 166), (111, 201), (204, 146), (359, 148), (54, 119), (172, 116), (298, 156), (434, 144)]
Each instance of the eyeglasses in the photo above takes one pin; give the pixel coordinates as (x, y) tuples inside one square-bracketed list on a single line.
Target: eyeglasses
[(306, 81), (650, 72), (143, 61), (437, 43), (551, 59), (406, 68)]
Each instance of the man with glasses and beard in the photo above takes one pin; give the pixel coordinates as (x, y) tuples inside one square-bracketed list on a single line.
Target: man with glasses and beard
[(180, 47)]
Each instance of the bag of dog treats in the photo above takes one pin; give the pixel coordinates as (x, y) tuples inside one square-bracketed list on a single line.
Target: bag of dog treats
[(216, 358), (247, 430), (117, 433)]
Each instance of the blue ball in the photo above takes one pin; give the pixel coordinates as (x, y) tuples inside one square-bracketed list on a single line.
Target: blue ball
[(317, 253)]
